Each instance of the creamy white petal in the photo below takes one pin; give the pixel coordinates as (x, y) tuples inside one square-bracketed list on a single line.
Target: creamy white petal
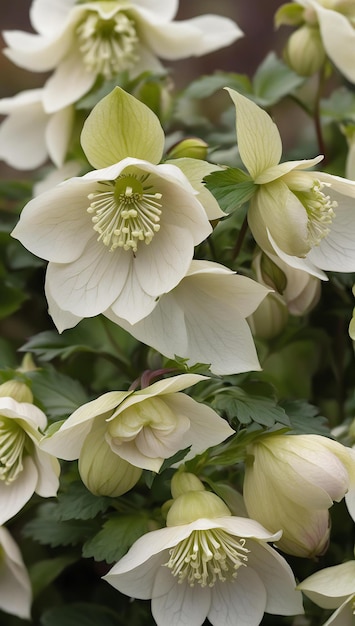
[(49, 16), (343, 616), (133, 302), (15, 584), (34, 52), (70, 81), (178, 605), (129, 452), (55, 225), (331, 586), (164, 10), (22, 135), (298, 263), (29, 414), (58, 132), (195, 170), (338, 37), (56, 176), (91, 283), (137, 582), (274, 172), (62, 319), (13, 497), (48, 473), (67, 445), (241, 602)]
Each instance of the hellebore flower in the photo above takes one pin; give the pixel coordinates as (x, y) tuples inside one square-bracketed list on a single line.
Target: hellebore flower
[(306, 218), (333, 588), (24, 467), (120, 236), (203, 319), (29, 136), (207, 564), (143, 427), (290, 483), (15, 585), (86, 40), (332, 21)]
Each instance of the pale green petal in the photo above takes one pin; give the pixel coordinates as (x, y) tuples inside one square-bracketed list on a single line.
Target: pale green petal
[(330, 587), (258, 138), (284, 168), (276, 209), (120, 126), (338, 37), (195, 170)]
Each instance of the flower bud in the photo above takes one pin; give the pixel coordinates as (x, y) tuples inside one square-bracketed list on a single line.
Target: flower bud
[(16, 390), (194, 505), (192, 147), (304, 52), (183, 482), (270, 318), (101, 470)]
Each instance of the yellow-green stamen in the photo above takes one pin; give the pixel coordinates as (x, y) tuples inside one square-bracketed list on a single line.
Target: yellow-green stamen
[(12, 445)]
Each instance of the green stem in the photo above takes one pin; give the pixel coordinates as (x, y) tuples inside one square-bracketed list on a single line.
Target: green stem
[(238, 244)]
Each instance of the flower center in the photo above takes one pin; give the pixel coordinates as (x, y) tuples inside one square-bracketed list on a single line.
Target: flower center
[(125, 212), (207, 556), (320, 211), (108, 46), (12, 444)]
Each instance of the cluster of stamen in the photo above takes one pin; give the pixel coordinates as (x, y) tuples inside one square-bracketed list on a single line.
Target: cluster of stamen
[(12, 444), (207, 556), (320, 211), (108, 46), (125, 212)]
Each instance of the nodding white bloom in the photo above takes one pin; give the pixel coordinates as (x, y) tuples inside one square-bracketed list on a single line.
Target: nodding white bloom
[(143, 427), (290, 483), (307, 218), (29, 135), (24, 468), (203, 319), (207, 564), (122, 235), (15, 585), (333, 588), (334, 20), (84, 40)]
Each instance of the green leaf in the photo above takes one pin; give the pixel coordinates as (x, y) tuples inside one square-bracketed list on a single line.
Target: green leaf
[(304, 418), (273, 80), (57, 394), (46, 529), (120, 126), (97, 335), (208, 85), (79, 614), (231, 188), (43, 573), (246, 408), (11, 299), (77, 502), (340, 106), (116, 537)]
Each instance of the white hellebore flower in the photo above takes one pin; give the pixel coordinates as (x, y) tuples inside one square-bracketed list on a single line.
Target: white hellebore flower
[(207, 564), (24, 467), (333, 588), (306, 218), (29, 135), (203, 319), (84, 40), (15, 585), (121, 236), (143, 427), (290, 483), (335, 22)]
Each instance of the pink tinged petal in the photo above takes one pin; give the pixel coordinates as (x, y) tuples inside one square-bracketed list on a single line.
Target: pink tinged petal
[(58, 134), (48, 473), (49, 16), (331, 586), (258, 138), (13, 497), (278, 579), (336, 251), (22, 134), (70, 81), (56, 225), (178, 604), (207, 428), (91, 283), (15, 584), (305, 264), (35, 52), (338, 37), (241, 602)]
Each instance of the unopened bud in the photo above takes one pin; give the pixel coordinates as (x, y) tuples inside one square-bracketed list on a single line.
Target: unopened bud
[(182, 482), (16, 390), (304, 52), (195, 505), (193, 148)]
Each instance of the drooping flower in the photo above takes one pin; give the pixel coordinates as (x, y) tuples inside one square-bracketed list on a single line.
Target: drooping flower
[(24, 468), (333, 588), (203, 319), (332, 21), (29, 135), (290, 483), (143, 428), (84, 40), (15, 585), (307, 218), (207, 564), (122, 235)]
